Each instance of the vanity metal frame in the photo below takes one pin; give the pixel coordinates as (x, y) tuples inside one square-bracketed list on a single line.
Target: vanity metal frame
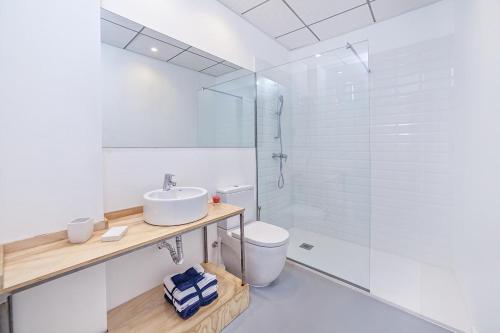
[(6, 323), (6, 315), (242, 247)]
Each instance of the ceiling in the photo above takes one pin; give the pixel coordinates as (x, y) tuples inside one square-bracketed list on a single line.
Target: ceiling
[(297, 23), (126, 34)]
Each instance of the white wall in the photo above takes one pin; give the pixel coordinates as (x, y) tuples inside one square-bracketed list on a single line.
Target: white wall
[(477, 161), (75, 303), (147, 102), (50, 125), (50, 147), (227, 120), (129, 173), (207, 25)]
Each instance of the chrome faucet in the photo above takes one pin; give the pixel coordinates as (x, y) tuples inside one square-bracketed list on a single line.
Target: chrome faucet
[(167, 182)]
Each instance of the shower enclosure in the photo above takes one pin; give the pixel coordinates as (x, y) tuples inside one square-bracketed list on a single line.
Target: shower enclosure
[(313, 159), (355, 165)]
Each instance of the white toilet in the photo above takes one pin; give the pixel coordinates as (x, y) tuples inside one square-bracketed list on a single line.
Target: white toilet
[(266, 244)]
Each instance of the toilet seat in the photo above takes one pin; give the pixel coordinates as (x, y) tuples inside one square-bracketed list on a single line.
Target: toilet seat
[(263, 234)]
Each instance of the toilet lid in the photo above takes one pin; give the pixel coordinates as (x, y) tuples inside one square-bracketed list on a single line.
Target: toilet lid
[(263, 234)]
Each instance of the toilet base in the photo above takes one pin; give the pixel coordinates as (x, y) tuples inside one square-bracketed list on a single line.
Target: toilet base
[(263, 265)]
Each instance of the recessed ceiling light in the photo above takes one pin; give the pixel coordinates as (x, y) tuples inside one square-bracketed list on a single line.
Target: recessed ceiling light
[(318, 55), (154, 49), (339, 72)]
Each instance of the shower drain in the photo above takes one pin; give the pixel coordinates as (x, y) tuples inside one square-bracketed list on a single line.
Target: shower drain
[(306, 246)]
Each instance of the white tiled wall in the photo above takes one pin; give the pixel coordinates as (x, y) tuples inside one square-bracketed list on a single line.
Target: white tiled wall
[(364, 167), (275, 203), (410, 149), (331, 164), (326, 137), (357, 158)]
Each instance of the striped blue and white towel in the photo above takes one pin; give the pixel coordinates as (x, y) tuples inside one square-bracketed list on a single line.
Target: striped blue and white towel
[(190, 290)]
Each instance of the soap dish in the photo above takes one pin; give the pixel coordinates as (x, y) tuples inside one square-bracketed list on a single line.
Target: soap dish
[(114, 234)]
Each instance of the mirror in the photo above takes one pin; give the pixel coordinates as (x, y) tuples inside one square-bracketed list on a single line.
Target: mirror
[(160, 92)]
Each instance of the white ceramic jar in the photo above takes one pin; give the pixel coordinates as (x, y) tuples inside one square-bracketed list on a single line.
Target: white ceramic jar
[(80, 230)]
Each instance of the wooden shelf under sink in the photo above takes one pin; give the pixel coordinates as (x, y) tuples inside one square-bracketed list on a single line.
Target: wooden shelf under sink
[(149, 312)]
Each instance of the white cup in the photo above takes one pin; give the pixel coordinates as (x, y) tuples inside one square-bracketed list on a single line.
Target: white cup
[(80, 230)]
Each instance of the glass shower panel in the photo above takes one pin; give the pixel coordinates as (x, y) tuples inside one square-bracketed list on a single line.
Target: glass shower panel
[(313, 138), (226, 114)]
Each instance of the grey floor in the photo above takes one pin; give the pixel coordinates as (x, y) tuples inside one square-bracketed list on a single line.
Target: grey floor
[(301, 301)]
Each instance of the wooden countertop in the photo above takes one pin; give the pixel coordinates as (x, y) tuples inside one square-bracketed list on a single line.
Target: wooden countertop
[(27, 267)]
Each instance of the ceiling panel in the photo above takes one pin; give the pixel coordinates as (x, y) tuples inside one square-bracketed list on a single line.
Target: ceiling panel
[(241, 6), (384, 9), (327, 18), (115, 35), (112, 17), (218, 69), (230, 64), (296, 39), (274, 18), (142, 44), (312, 11), (343, 23), (193, 61), (164, 38), (205, 54)]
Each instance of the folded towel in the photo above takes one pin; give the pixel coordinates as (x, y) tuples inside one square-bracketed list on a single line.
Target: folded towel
[(205, 291), (188, 311), (207, 279), (208, 295), (184, 280), (182, 306), (209, 299), (189, 290), (185, 289)]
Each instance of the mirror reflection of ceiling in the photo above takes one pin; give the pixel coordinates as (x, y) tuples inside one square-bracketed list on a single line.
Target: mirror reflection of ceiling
[(121, 32), (297, 23)]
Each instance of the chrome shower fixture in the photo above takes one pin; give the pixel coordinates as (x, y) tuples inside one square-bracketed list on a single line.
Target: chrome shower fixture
[(280, 155)]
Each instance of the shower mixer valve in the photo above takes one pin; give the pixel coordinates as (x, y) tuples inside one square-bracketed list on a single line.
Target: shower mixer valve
[(280, 156)]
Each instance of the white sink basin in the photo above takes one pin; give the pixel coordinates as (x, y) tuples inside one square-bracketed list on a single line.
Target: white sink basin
[(179, 205)]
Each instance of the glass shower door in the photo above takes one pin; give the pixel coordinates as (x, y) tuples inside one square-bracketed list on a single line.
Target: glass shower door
[(313, 160)]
